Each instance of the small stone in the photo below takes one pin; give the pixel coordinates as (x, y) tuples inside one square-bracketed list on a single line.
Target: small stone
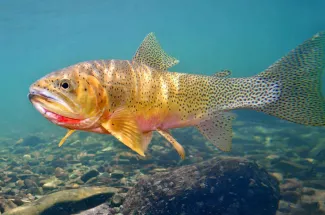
[(124, 181), (68, 157), (91, 180), (49, 186), (290, 167), (29, 183), (31, 141), (290, 185), (20, 141), (6, 205), (290, 196), (123, 161), (60, 173), (89, 174), (107, 149), (278, 176), (72, 186), (318, 184), (33, 162), (49, 158), (272, 157), (20, 183), (25, 176), (36, 190), (308, 191), (59, 163), (118, 174), (27, 157), (27, 171), (51, 183), (11, 185), (117, 200), (159, 170), (284, 207)]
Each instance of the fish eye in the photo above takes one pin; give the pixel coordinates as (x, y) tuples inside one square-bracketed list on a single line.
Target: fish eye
[(65, 84)]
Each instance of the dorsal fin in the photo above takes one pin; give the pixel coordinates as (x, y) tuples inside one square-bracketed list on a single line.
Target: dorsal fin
[(223, 73), (151, 54)]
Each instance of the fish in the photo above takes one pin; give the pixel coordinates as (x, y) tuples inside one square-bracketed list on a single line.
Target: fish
[(131, 99)]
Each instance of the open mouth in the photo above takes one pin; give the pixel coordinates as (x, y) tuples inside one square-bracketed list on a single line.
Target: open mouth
[(40, 98)]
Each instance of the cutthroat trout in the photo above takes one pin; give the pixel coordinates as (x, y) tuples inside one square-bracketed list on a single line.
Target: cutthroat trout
[(130, 99)]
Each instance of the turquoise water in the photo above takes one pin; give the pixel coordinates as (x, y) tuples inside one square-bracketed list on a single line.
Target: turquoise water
[(38, 37)]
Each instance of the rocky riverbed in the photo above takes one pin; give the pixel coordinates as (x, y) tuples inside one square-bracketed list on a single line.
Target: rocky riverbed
[(33, 167)]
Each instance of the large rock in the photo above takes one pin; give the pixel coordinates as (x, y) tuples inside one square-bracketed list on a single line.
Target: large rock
[(220, 186), (66, 202)]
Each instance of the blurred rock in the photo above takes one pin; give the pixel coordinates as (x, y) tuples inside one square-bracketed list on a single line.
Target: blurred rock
[(29, 183), (6, 205), (291, 184), (51, 183), (218, 186), (117, 174), (66, 202), (60, 173), (290, 166), (117, 199), (31, 141), (59, 163), (88, 175)]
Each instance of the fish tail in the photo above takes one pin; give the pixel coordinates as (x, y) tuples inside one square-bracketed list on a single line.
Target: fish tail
[(294, 85)]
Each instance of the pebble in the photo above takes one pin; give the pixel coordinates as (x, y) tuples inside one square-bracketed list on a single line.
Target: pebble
[(118, 174), (88, 175), (278, 176), (60, 173), (29, 183), (117, 200), (49, 158), (27, 157), (51, 183)]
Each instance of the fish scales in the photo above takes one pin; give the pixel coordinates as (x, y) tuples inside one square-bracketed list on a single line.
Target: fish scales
[(130, 99)]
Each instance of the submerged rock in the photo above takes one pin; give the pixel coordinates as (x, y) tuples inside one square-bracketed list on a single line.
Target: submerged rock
[(51, 183), (31, 140), (66, 202), (218, 186), (88, 175), (118, 174)]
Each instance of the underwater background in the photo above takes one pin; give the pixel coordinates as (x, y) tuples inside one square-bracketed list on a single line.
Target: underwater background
[(37, 37)]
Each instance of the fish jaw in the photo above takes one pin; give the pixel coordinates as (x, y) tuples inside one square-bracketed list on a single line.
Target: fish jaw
[(44, 102)]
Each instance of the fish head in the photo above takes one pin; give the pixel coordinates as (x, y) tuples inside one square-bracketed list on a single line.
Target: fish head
[(72, 97)]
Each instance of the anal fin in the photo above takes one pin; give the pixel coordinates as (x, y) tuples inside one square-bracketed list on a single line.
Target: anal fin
[(218, 130), (179, 148)]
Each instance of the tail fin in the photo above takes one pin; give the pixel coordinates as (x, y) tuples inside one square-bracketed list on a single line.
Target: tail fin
[(298, 77)]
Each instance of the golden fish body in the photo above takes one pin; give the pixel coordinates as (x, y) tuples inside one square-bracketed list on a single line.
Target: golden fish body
[(131, 99)]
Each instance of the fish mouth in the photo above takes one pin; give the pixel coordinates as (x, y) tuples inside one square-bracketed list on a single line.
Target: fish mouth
[(51, 107)]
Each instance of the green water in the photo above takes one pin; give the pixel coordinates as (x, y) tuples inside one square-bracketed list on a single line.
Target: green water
[(38, 37)]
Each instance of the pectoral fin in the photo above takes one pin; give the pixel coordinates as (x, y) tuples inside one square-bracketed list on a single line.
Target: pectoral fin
[(65, 137), (123, 126), (179, 148), (218, 130)]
